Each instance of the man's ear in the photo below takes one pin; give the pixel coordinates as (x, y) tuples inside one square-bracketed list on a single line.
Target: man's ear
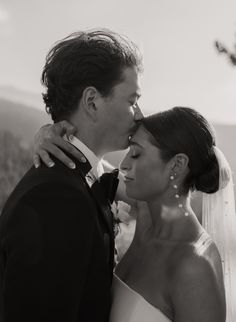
[(180, 164), (89, 98)]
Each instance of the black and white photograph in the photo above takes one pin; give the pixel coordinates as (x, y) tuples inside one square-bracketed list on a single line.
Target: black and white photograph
[(117, 161)]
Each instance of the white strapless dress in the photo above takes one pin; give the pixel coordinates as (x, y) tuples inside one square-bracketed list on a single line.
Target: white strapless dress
[(129, 306)]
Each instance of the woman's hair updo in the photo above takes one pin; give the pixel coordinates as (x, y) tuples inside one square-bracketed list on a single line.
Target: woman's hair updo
[(184, 130)]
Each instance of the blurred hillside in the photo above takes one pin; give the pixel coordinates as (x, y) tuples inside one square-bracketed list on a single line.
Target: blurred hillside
[(14, 161), (17, 95), (19, 123), (21, 120)]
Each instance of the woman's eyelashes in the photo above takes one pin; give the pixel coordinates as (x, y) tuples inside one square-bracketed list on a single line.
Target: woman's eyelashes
[(135, 154)]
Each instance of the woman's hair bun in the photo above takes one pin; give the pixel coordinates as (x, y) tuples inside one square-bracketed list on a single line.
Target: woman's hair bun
[(184, 130), (208, 181)]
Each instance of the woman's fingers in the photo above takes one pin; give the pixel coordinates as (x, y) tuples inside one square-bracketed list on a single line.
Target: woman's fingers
[(49, 141), (45, 158), (57, 150), (59, 154), (36, 160), (68, 147)]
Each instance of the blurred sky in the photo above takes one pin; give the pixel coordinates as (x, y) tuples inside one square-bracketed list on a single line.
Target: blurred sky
[(176, 37)]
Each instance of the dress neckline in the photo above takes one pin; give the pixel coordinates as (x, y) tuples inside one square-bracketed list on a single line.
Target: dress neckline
[(140, 296)]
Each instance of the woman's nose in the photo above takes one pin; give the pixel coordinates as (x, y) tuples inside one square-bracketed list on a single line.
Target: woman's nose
[(124, 165)]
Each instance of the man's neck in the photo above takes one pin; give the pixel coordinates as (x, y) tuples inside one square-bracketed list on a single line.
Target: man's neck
[(87, 139), (89, 134), (85, 131)]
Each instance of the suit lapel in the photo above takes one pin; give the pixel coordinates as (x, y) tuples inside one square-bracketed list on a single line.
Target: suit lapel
[(104, 205), (82, 168), (104, 210), (97, 194)]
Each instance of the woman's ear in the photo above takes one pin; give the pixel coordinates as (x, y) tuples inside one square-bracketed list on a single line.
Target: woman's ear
[(180, 164), (89, 97)]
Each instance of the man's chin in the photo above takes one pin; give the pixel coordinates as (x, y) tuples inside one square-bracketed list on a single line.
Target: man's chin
[(121, 145)]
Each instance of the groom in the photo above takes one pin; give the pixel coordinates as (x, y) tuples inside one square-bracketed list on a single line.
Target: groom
[(56, 236)]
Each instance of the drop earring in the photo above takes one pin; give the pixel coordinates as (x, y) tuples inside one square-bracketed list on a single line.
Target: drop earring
[(177, 196)]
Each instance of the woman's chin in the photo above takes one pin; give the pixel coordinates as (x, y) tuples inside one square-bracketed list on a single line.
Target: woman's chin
[(131, 193), (136, 195)]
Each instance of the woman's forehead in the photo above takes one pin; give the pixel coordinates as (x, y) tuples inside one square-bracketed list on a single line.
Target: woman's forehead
[(141, 137)]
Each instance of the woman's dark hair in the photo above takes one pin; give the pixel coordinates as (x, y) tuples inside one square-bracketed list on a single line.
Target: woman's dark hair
[(92, 58), (184, 130)]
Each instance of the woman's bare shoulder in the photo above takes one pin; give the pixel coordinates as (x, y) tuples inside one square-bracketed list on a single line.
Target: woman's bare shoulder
[(197, 260), (197, 286)]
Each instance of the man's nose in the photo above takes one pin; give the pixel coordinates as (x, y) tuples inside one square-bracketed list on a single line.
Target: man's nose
[(138, 115)]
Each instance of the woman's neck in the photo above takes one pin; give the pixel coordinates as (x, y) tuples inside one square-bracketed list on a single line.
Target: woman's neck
[(170, 221)]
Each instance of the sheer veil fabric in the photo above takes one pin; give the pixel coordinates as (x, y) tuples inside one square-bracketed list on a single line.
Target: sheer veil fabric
[(219, 220)]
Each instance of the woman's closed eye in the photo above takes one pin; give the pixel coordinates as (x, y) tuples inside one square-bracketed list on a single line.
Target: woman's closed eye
[(134, 153)]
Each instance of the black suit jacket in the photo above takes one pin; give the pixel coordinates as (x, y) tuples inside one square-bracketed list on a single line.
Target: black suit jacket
[(56, 249)]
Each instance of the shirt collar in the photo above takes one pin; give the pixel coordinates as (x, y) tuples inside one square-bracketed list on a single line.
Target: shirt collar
[(96, 164)]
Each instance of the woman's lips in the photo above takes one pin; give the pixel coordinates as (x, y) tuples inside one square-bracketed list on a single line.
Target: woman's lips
[(128, 179)]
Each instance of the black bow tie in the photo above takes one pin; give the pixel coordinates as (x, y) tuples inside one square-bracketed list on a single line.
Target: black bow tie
[(108, 182)]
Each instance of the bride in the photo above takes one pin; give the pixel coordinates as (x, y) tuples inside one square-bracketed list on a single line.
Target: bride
[(173, 270)]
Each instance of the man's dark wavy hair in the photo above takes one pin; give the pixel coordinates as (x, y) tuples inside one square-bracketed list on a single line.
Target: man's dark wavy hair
[(90, 58)]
